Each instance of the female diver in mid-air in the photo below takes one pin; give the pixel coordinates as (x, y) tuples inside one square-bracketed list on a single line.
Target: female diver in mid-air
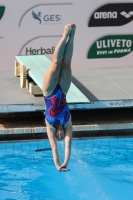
[(55, 87)]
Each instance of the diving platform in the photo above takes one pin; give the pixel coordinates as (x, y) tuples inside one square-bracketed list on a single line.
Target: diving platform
[(32, 69), (91, 87)]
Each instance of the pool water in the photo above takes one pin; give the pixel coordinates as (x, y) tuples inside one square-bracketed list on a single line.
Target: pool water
[(100, 169)]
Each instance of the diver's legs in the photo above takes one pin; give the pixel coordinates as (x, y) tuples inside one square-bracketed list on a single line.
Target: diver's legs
[(51, 78), (65, 75)]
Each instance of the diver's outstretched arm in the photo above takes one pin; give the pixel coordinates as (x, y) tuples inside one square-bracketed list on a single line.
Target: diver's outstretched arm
[(52, 139), (68, 142)]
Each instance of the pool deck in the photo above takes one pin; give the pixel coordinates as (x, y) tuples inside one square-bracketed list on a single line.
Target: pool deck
[(92, 123), (79, 131), (104, 87)]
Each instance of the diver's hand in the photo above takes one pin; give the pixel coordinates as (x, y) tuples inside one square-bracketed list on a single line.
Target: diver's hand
[(63, 168)]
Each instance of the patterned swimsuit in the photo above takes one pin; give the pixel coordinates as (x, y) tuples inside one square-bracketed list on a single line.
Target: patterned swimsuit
[(57, 111)]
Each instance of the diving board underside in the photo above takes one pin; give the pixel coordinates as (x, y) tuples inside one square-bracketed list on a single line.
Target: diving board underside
[(37, 67)]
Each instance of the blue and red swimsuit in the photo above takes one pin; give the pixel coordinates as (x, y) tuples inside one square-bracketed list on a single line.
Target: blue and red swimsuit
[(57, 111)]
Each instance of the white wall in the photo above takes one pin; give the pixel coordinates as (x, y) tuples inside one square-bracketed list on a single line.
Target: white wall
[(20, 30)]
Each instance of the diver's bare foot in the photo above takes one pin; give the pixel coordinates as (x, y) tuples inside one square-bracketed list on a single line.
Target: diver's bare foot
[(73, 26), (67, 30)]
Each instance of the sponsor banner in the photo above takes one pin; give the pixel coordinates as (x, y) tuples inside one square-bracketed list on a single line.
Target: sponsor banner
[(115, 14), (113, 46), (41, 45), (45, 14), (47, 18), (2, 10), (20, 33)]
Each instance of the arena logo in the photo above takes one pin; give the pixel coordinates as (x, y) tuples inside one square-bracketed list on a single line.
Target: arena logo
[(112, 15), (47, 18), (105, 15), (114, 46), (2, 10), (127, 15)]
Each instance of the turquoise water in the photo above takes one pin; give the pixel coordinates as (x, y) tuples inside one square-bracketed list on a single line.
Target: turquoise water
[(100, 169)]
